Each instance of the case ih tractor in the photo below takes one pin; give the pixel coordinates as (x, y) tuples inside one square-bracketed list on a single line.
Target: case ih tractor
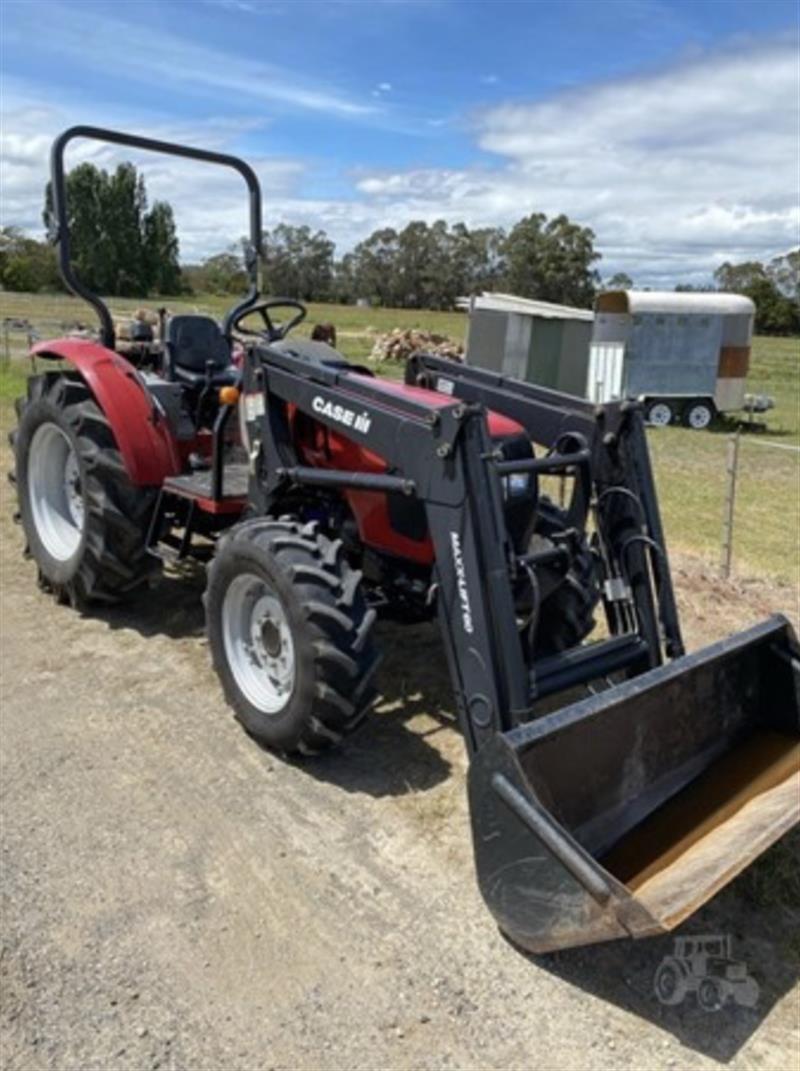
[(323, 496)]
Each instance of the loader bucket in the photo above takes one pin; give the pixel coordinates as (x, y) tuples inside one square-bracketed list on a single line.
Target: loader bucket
[(619, 815)]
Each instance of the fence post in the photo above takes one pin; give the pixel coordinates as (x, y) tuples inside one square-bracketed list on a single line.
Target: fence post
[(731, 474)]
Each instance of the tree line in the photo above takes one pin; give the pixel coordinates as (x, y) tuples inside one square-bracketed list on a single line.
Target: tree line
[(422, 266), (119, 246), (122, 247), (774, 288)]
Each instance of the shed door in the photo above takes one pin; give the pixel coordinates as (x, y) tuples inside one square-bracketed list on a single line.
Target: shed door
[(545, 353), (517, 346)]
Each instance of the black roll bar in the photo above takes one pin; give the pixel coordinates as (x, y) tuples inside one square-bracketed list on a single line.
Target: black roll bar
[(168, 148)]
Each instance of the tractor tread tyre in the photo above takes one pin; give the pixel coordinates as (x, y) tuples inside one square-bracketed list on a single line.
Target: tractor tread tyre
[(330, 624), (567, 615), (111, 560)]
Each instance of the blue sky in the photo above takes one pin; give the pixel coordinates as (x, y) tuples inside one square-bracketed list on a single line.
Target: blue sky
[(669, 127)]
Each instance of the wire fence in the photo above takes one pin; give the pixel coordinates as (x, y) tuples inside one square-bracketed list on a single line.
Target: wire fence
[(735, 498), (20, 331)]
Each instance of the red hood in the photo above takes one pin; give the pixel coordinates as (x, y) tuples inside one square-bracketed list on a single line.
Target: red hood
[(500, 427)]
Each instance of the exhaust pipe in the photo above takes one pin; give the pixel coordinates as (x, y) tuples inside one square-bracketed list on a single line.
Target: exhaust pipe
[(618, 816)]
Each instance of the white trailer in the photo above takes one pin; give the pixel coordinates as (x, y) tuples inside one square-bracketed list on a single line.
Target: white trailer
[(684, 355)]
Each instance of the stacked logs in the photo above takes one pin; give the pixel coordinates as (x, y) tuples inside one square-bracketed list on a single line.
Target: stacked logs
[(400, 344)]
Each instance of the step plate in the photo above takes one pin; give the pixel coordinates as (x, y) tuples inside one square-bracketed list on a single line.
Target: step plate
[(198, 488)]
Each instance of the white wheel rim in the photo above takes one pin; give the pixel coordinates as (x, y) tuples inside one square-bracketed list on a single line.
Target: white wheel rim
[(258, 643), (660, 415), (699, 417), (55, 492)]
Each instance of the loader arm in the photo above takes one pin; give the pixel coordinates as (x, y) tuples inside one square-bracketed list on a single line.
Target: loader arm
[(442, 454), (443, 457), (625, 489)]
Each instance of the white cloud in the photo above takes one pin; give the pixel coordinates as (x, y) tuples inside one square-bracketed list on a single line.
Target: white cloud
[(210, 202), (234, 5), (385, 87), (675, 171)]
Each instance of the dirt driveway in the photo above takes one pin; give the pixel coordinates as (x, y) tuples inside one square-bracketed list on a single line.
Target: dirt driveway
[(175, 897)]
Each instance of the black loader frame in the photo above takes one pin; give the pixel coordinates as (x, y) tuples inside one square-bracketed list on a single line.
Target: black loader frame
[(671, 735), (445, 458)]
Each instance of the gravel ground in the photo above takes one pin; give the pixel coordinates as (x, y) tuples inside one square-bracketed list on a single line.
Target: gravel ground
[(176, 897)]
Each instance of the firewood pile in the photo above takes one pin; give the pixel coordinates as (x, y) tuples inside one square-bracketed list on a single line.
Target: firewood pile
[(400, 344)]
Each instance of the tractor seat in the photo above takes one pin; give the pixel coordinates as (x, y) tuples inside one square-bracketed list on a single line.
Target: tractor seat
[(192, 343)]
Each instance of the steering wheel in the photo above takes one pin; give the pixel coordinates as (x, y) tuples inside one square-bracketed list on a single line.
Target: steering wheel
[(272, 332)]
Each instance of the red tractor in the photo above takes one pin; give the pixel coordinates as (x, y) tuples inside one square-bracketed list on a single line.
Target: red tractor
[(324, 496)]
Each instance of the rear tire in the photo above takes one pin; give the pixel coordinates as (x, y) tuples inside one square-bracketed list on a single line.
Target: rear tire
[(566, 615), (290, 634), (85, 522)]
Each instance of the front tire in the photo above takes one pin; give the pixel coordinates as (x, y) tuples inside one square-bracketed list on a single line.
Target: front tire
[(85, 522), (290, 634)]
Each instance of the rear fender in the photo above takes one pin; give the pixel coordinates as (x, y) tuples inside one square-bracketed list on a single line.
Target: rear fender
[(142, 433)]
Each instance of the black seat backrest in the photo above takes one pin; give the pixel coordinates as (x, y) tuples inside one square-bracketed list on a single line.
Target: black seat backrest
[(141, 331), (193, 341)]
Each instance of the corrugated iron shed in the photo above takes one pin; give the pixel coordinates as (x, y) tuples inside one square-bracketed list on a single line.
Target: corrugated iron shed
[(548, 310)]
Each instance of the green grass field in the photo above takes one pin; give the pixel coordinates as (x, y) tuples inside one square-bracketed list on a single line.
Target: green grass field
[(356, 327), (689, 466)]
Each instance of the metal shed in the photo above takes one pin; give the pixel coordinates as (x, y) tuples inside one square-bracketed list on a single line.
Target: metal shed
[(684, 355), (536, 341)]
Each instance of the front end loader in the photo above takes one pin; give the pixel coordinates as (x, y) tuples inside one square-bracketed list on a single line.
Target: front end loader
[(616, 782)]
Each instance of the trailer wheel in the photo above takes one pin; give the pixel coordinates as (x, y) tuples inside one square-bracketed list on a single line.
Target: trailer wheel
[(659, 413), (290, 634), (698, 414), (85, 523)]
